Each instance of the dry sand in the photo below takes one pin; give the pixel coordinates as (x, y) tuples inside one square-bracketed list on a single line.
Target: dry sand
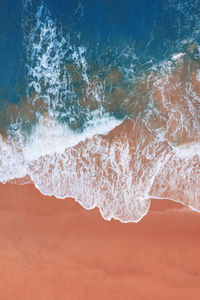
[(54, 249)]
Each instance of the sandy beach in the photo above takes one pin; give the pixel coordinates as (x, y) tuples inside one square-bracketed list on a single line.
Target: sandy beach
[(54, 249)]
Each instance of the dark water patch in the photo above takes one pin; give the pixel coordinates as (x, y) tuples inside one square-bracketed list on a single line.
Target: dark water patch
[(11, 51)]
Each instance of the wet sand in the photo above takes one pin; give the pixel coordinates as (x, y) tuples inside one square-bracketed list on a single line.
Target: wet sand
[(54, 249)]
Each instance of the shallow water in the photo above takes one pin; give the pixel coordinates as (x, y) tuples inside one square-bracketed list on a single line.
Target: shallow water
[(100, 101)]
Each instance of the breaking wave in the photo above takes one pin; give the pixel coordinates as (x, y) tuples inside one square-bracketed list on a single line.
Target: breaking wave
[(113, 137)]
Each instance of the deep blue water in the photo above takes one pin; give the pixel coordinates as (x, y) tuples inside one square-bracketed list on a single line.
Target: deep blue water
[(129, 35)]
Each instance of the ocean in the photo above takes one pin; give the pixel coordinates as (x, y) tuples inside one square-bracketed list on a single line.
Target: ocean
[(100, 101)]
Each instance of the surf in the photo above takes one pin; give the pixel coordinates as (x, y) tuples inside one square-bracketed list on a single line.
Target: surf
[(112, 134)]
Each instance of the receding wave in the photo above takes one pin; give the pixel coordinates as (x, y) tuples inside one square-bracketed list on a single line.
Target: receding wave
[(93, 134)]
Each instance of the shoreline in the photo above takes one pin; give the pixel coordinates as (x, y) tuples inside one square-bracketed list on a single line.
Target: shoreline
[(55, 249)]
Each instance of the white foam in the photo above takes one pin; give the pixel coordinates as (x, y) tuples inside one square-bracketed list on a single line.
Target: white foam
[(47, 50), (116, 177), (49, 136), (198, 74), (12, 164), (177, 56), (187, 150), (92, 175)]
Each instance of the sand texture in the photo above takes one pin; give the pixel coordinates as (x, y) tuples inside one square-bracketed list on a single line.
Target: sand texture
[(55, 249)]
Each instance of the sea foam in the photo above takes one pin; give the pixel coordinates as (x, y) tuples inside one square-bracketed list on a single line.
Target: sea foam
[(77, 147), (49, 136)]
